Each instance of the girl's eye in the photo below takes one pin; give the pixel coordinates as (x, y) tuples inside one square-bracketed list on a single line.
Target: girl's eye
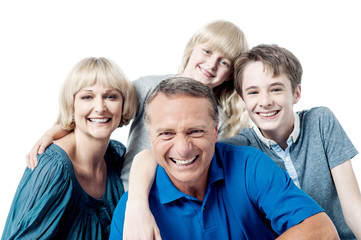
[(225, 63), (207, 51)]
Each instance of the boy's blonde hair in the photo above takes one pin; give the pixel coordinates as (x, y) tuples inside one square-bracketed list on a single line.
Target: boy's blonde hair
[(276, 59), (88, 72), (227, 38)]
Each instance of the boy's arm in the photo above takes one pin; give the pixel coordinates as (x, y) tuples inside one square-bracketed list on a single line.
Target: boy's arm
[(54, 133), (139, 222), (318, 226), (349, 194)]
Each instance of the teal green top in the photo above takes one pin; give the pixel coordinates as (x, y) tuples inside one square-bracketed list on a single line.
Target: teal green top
[(50, 203)]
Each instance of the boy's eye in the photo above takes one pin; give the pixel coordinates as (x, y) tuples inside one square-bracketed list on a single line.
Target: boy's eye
[(252, 92), (276, 90)]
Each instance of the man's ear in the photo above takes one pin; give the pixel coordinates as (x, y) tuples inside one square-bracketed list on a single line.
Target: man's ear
[(297, 94)]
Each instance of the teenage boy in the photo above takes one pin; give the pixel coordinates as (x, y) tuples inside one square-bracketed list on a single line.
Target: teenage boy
[(311, 145)]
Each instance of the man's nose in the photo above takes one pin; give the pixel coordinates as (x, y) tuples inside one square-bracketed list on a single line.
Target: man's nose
[(182, 146)]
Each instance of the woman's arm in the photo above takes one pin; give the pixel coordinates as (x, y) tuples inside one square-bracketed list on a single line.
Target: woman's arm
[(139, 222), (40, 201), (54, 133), (349, 194)]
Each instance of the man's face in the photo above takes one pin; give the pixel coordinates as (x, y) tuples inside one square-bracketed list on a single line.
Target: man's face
[(183, 136)]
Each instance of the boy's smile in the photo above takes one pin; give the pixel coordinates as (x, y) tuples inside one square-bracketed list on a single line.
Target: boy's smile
[(269, 101)]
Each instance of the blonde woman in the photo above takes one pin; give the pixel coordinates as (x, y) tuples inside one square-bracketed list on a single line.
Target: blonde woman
[(73, 191)]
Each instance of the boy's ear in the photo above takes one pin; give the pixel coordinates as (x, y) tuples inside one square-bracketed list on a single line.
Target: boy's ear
[(297, 94), (242, 102)]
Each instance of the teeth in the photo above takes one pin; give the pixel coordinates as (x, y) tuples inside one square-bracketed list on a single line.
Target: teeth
[(270, 114), (99, 120), (184, 162)]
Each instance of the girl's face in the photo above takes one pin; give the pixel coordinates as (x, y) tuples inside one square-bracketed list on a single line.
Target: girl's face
[(208, 66), (97, 111)]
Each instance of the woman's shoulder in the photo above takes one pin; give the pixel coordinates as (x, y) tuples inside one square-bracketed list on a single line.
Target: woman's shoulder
[(55, 159)]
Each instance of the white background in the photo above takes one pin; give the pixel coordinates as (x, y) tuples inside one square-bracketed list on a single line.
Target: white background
[(41, 40)]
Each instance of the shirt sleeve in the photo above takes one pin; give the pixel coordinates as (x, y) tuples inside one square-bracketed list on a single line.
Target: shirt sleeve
[(338, 146), (272, 190), (116, 230), (40, 200)]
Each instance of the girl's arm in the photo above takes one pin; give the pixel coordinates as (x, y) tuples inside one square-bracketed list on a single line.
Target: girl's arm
[(349, 194), (54, 133), (139, 222)]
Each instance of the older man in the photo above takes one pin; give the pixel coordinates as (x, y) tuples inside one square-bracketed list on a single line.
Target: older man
[(209, 190)]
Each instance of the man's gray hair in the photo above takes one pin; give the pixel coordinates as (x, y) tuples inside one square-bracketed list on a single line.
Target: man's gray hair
[(182, 86)]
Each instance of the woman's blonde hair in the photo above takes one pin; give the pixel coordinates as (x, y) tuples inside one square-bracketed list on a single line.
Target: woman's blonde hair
[(227, 38), (88, 72)]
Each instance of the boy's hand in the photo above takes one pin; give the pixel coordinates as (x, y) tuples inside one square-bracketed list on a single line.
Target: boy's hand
[(38, 148)]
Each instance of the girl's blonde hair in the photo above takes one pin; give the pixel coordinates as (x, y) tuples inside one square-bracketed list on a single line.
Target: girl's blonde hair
[(88, 72), (227, 38)]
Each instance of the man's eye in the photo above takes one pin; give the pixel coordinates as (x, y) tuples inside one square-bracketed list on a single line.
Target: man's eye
[(165, 135), (196, 133)]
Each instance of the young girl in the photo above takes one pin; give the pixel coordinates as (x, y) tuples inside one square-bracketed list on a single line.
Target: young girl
[(73, 192)]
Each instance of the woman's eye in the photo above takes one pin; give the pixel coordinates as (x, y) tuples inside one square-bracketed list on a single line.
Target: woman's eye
[(86, 97), (112, 96)]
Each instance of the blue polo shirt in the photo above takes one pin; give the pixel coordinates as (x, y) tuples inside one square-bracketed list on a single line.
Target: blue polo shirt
[(247, 197)]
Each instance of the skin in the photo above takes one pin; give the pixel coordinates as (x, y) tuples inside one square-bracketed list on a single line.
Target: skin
[(269, 102), (183, 140), (97, 113), (208, 66)]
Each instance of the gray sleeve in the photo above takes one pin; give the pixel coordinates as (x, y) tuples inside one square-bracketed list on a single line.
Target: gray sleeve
[(138, 136)]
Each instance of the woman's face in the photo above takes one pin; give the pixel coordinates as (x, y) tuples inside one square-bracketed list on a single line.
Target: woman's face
[(208, 66), (97, 111)]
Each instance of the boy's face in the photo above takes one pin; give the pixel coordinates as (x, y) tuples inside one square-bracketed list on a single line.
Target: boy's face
[(269, 100), (208, 66)]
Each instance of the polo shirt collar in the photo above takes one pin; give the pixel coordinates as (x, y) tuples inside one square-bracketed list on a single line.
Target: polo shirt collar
[(169, 193), (293, 136)]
